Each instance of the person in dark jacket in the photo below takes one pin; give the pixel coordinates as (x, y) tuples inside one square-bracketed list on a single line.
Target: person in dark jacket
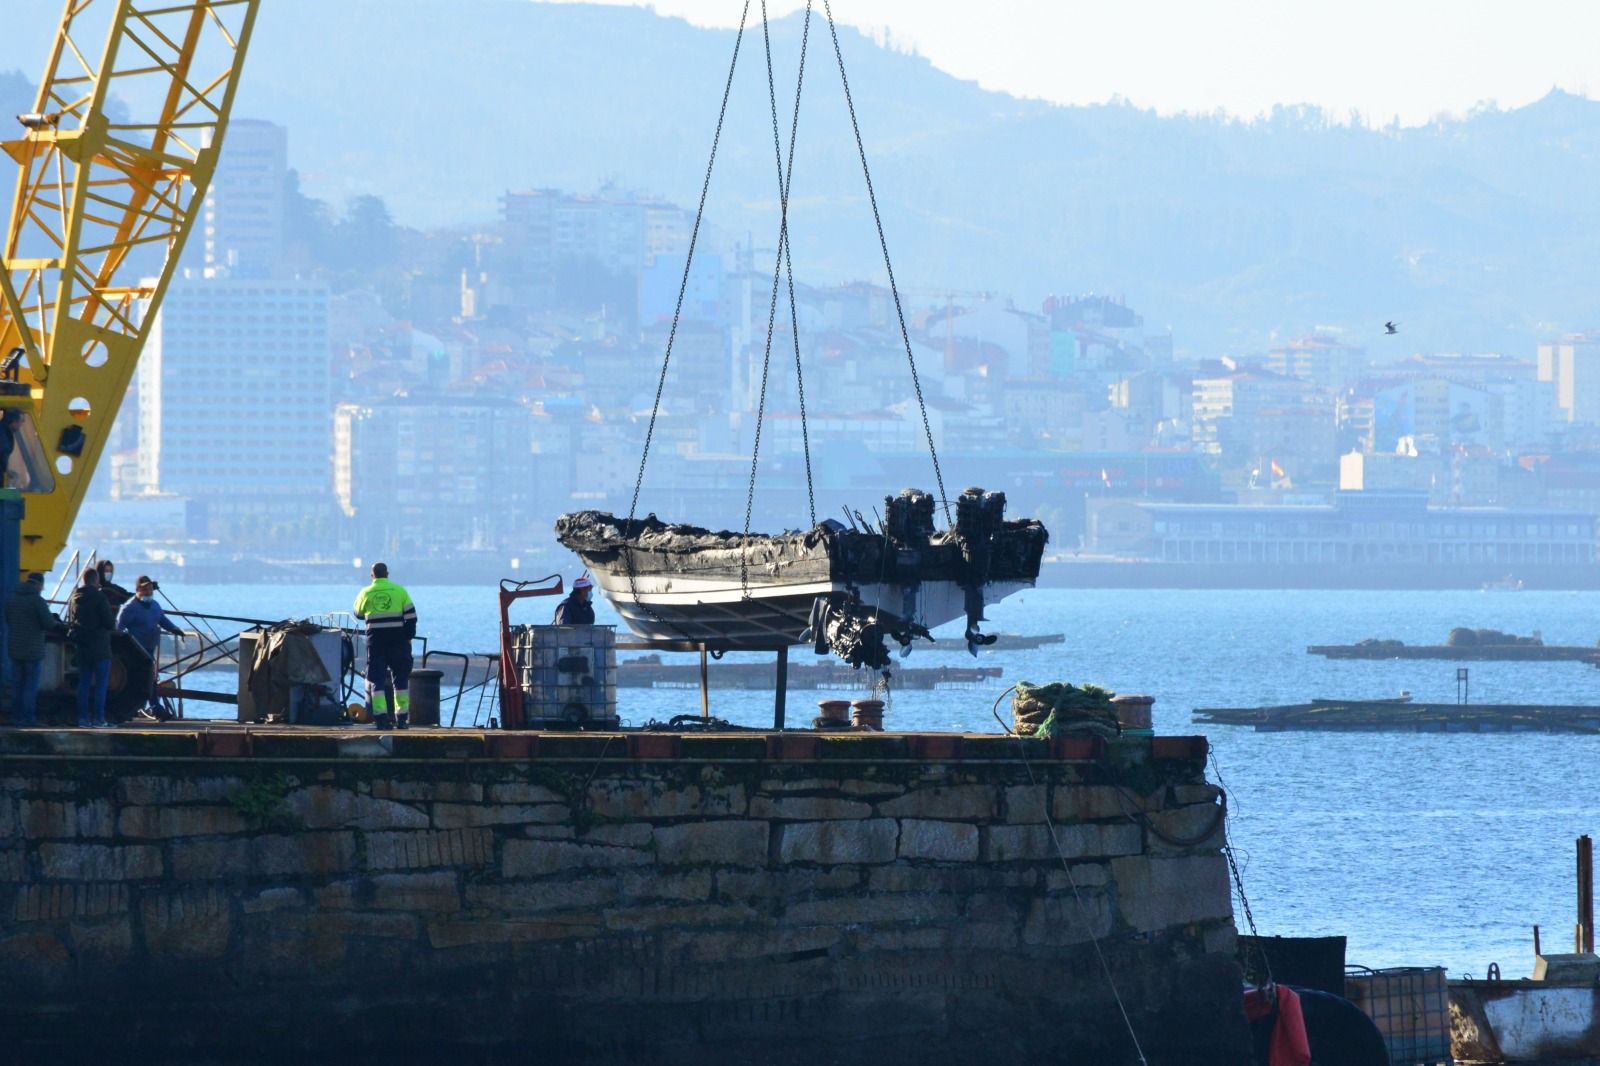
[(90, 621), (28, 620), (576, 610), (143, 619), (114, 593)]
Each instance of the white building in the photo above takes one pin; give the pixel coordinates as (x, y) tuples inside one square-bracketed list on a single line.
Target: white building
[(1572, 365), (242, 229), (234, 390), (429, 473), (546, 227)]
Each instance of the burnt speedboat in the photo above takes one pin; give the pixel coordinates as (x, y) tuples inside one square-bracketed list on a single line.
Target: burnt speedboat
[(839, 586)]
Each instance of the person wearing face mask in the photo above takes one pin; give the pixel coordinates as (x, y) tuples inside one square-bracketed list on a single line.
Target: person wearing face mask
[(143, 619), (90, 621), (114, 593)]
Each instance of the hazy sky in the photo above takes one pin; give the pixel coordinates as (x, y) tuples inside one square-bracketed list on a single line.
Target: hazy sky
[(1411, 59)]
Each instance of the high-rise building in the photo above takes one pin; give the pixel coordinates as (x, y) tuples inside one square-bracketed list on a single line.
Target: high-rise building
[(243, 224), (1572, 364), (431, 473), (546, 227), (1319, 358), (235, 390)]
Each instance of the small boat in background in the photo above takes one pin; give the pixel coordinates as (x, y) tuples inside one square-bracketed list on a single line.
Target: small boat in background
[(1504, 584)]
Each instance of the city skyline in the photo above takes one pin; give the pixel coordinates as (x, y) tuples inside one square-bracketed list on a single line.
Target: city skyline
[(456, 389), (504, 367)]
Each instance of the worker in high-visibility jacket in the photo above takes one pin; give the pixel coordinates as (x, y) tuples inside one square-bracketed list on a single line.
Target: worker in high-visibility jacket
[(391, 620)]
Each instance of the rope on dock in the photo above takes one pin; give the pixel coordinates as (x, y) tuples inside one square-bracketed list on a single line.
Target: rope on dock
[(1077, 894)]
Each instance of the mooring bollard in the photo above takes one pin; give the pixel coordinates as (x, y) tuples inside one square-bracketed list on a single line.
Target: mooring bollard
[(425, 697)]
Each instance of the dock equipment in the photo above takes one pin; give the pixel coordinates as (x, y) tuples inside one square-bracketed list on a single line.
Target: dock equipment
[(512, 697), (95, 183)]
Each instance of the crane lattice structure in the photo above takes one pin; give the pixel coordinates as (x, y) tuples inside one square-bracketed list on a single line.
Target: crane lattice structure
[(115, 157)]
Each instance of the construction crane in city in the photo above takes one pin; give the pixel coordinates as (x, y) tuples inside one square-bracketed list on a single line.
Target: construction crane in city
[(113, 164)]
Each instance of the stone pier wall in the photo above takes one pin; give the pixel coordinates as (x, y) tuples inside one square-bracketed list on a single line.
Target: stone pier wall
[(712, 899)]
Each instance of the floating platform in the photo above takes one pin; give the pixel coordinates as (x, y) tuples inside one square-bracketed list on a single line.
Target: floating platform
[(1404, 716), (1003, 642), (1386, 649), (650, 672)]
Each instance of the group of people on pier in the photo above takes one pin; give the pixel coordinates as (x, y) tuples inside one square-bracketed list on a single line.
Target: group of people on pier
[(97, 607)]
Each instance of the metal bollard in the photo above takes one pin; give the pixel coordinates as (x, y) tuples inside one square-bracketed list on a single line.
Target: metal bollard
[(425, 697)]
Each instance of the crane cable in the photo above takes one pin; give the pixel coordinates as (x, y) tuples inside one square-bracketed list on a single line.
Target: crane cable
[(672, 333), (784, 256), (688, 262), (782, 265), (877, 218)]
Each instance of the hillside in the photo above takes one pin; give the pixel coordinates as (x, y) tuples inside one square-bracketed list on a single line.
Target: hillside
[(1474, 233)]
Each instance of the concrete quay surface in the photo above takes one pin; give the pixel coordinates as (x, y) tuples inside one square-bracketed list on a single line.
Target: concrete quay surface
[(226, 894)]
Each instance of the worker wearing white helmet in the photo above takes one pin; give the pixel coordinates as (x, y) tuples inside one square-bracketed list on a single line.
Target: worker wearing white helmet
[(576, 610)]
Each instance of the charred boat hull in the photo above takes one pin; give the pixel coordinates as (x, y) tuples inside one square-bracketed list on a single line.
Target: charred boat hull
[(677, 582), (713, 612)]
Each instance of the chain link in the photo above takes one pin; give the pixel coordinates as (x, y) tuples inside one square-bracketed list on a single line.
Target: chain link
[(1238, 884)]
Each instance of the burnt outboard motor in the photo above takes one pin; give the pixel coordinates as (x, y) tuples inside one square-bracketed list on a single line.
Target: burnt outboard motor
[(979, 518)]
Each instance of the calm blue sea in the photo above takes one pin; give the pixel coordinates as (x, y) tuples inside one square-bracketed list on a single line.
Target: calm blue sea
[(1422, 849)]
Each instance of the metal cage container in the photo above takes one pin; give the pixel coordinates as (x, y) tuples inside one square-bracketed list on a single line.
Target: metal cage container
[(1411, 1007), (568, 674)]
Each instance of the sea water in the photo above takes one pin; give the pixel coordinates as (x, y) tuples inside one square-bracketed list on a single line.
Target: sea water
[(1422, 849)]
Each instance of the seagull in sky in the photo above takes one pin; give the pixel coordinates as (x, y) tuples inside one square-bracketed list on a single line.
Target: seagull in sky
[(1390, 329)]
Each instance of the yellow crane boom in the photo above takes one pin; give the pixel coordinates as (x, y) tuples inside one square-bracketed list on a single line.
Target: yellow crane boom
[(93, 186)]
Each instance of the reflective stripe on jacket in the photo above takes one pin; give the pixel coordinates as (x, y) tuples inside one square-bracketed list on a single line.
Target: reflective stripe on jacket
[(387, 609)]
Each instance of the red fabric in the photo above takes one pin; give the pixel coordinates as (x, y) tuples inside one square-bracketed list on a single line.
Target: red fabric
[(1289, 1047)]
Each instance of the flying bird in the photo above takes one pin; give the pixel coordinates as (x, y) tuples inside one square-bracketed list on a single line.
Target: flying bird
[(1390, 328)]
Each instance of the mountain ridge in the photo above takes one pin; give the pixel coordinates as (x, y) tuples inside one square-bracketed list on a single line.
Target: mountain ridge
[(1476, 232)]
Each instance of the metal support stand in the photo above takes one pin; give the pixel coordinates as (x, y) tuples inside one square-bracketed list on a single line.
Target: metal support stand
[(705, 686), (1583, 936), (781, 693), (1463, 691)]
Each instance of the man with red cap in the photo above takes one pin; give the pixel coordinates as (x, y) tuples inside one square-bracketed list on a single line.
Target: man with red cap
[(576, 610)]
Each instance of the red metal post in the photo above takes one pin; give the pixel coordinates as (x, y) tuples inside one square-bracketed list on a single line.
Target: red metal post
[(511, 709)]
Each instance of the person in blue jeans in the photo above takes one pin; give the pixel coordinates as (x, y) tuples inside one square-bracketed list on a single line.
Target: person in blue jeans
[(90, 622), (143, 619), (28, 621)]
